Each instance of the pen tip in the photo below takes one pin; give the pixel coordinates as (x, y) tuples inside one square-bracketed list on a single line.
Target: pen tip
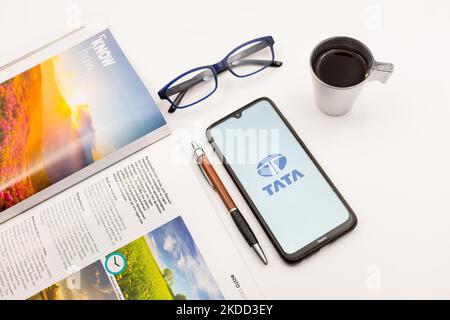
[(259, 251)]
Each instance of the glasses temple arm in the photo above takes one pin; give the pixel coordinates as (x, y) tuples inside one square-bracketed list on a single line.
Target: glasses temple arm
[(275, 64), (248, 51), (185, 85), (238, 57), (177, 101)]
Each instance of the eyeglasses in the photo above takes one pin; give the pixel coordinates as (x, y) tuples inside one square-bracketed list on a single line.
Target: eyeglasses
[(199, 83)]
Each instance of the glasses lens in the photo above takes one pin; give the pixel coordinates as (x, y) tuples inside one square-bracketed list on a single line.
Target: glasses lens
[(192, 88), (251, 58)]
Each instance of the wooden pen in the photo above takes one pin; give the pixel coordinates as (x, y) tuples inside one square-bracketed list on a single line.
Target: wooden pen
[(213, 179)]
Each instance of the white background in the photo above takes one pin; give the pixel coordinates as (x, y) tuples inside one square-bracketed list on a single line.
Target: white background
[(389, 157)]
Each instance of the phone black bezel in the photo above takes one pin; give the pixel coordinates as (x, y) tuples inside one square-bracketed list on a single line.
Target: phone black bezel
[(317, 244)]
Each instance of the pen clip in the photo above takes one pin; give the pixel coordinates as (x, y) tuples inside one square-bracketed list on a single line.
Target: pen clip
[(198, 153), (205, 175)]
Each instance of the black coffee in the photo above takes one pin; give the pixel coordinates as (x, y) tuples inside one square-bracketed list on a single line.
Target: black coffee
[(341, 68)]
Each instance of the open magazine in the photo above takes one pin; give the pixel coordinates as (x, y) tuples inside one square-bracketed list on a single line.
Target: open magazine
[(116, 223), (66, 112)]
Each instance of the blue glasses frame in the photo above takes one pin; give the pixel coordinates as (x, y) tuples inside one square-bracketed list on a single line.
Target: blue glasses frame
[(216, 69)]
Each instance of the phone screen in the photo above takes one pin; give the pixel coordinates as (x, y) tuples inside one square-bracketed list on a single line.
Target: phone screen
[(293, 197)]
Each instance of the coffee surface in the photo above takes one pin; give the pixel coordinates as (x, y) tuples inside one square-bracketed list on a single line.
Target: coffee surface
[(341, 68)]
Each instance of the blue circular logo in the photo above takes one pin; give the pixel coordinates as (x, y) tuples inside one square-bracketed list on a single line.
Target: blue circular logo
[(271, 165)]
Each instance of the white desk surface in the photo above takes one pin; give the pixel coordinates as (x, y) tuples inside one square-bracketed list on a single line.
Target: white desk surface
[(389, 157)]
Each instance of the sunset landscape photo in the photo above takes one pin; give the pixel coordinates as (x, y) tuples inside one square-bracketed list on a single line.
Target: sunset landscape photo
[(42, 137), (62, 115)]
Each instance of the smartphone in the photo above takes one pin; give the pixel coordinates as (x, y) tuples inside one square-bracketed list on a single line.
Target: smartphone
[(294, 200)]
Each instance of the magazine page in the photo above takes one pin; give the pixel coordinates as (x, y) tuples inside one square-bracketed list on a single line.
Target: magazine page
[(128, 232), (66, 112)]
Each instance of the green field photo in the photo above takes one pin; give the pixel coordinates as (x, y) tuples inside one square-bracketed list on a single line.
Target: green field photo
[(166, 264), (142, 278)]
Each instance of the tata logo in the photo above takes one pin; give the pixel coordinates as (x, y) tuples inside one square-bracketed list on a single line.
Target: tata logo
[(273, 166)]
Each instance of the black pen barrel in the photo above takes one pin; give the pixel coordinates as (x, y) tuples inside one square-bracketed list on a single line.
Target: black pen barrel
[(243, 227)]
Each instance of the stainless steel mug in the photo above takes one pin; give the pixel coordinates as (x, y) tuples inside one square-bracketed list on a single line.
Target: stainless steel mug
[(338, 100)]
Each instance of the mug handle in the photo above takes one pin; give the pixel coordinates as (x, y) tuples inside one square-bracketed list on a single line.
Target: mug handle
[(381, 71)]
